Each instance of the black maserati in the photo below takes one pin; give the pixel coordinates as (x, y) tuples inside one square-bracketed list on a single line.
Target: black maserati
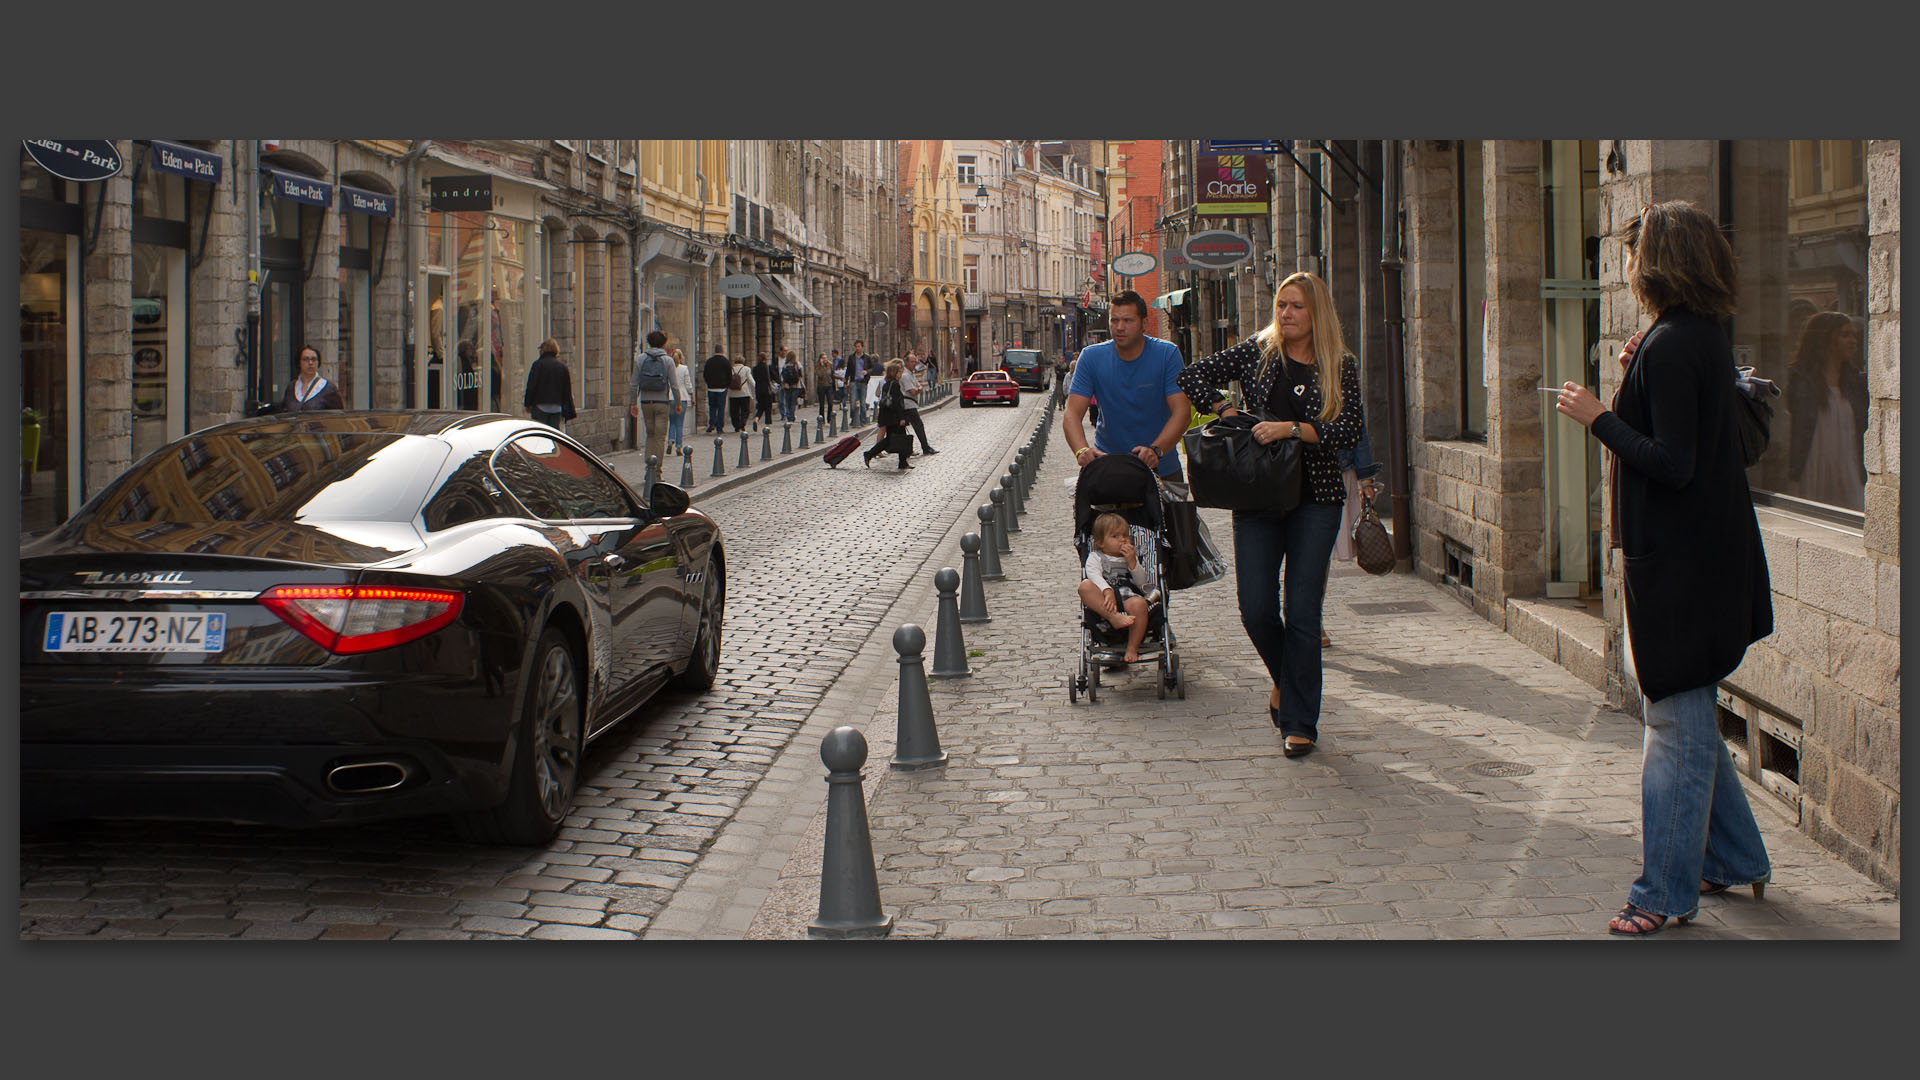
[(344, 616)]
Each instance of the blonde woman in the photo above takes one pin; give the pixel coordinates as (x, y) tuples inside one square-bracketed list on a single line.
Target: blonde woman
[(1297, 369)]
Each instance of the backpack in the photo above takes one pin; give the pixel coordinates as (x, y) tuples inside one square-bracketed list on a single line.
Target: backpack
[(737, 382), (1753, 417), (651, 376), (790, 373)]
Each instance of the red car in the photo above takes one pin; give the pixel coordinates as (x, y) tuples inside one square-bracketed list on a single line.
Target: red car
[(989, 386)]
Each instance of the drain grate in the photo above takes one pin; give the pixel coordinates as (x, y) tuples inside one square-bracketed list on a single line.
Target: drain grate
[(1398, 607), (1500, 768)]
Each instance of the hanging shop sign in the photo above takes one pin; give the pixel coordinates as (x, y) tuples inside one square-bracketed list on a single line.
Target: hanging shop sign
[(903, 311), (80, 160), (782, 264), (1230, 185), (464, 192), (186, 161), (1135, 263), (1176, 259), (371, 203), (296, 188), (1218, 250), (739, 286)]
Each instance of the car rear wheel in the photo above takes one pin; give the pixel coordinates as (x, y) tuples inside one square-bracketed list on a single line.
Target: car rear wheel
[(704, 665), (546, 766)]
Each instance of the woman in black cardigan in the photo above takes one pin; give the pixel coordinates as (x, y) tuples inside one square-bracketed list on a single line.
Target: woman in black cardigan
[(1696, 574)]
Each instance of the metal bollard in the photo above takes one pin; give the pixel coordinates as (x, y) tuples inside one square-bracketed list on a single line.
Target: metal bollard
[(1001, 512), (766, 442), (826, 421), (849, 889), (719, 467), (803, 434), (651, 476), (686, 467), (973, 595), (949, 644), (989, 547), (1014, 493), (745, 460), (786, 437), (1009, 504), (1020, 474), (916, 742)]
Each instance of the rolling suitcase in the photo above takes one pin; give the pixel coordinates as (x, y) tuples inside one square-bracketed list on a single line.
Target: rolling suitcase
[(838, 452)]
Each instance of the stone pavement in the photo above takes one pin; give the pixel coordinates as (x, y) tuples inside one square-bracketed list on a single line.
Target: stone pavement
[(1464, 786)]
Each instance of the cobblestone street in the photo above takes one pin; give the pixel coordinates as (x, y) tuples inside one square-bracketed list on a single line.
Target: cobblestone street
[(1463, 787)]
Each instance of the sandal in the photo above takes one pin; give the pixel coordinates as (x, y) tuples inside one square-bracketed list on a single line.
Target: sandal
[(1644, 923)]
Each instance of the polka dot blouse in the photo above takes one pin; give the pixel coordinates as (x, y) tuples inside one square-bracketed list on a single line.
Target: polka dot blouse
[(1201, 382)]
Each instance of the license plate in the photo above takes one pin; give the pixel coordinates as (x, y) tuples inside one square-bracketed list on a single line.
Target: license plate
[(161, 632)]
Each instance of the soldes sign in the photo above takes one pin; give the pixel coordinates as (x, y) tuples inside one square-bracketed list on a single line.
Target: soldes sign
[(1217, 250), (80, 160)]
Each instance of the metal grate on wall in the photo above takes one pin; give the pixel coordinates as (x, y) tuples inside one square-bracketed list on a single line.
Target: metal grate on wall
[(1764, 744)]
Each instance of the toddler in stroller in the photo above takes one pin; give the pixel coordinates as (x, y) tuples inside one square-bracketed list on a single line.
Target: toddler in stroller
[(1116, 586), (1117, 511)]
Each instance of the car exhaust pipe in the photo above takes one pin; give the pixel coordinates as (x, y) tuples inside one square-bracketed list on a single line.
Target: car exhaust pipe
[(368, 777)]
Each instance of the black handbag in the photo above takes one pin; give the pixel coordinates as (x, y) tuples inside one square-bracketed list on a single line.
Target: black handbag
[(1228, 469)]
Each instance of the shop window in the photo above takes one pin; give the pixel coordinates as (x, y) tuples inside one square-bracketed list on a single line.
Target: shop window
[(1796, 214), (159, 306), (1471, 214)]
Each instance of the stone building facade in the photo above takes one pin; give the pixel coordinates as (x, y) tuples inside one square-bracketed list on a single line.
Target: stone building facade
[(149, 310), (1515, 280)]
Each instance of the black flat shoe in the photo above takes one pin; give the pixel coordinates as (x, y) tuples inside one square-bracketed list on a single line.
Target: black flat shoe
[(1294, 749), (930, 451)]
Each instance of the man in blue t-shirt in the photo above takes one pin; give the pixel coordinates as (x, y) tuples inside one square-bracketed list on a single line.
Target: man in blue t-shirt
[(1142, 411)]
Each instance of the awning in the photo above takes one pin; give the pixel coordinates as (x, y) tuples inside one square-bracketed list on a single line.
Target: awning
[(296, 188), (186, 161), (370, 203), (1168, 300), (802, 305), (772, 296)]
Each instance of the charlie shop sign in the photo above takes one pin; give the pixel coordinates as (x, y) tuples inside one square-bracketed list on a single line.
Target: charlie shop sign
[(79, 160)]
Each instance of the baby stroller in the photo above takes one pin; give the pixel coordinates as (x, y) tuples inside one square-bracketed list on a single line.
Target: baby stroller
[(1123, 484)]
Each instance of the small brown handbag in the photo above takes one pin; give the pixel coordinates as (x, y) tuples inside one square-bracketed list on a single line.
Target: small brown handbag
[(1372, 549)]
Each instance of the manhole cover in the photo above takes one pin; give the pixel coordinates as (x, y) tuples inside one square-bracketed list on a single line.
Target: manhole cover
[(1499, 768), (1398, 607)]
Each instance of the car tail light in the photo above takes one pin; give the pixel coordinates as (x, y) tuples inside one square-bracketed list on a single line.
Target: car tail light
[(362, 618)]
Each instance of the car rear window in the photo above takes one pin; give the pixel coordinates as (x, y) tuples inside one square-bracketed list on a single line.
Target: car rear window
[(278, 476), (1021, 358)]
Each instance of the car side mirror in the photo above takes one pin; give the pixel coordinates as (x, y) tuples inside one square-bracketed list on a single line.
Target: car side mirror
[(668, 500)]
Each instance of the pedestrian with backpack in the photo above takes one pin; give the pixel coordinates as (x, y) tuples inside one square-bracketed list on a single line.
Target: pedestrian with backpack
[(655, 394), (740, 394)]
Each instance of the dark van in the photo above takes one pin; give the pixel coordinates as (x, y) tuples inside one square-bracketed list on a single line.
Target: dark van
[(1027, 366)]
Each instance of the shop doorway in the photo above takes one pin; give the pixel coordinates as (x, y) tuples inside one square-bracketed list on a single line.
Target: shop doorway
[(281, 318)]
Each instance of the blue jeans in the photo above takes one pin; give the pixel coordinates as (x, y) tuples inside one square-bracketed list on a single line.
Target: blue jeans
[(788, 395), (1695, 823), (716, 410), (1280, 564), (676, 422)]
